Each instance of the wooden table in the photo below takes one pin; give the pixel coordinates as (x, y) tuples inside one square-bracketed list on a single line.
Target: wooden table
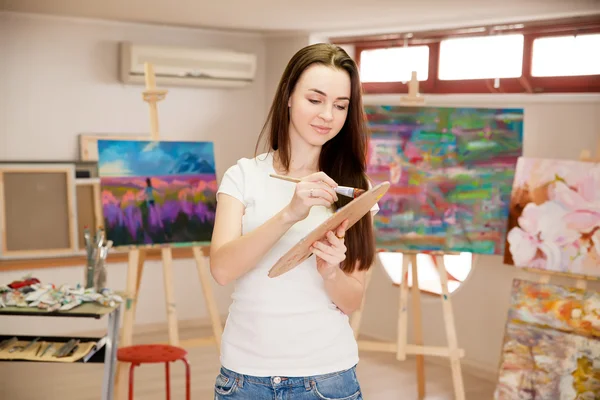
[(105, 350)]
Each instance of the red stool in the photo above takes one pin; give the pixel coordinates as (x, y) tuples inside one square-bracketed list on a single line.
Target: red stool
[(155, 353)]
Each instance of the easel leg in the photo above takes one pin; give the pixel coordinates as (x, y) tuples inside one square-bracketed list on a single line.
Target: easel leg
[(138, 281), (457, 379), (418, 329), (126, 339), (209, 297), (167, 258), (356, 318), (403, 312)]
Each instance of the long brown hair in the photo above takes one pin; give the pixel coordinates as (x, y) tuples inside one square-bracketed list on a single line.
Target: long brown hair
[(343, 158)]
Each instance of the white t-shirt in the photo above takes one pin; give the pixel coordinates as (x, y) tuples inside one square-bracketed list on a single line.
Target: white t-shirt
[(288, 325)]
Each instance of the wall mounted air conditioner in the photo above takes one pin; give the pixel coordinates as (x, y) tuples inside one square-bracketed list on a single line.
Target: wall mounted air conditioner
[(187, 66)]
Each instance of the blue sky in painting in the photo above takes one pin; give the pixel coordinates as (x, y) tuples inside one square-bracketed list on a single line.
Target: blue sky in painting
[(120, 158)]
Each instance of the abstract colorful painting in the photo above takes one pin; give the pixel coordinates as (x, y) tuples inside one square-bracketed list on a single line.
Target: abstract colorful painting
[(554, 222), (551, 347), (451, 172), (157, 192)]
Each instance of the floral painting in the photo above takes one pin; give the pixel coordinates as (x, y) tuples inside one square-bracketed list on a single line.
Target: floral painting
[(451, 172), (157, 192), (554, 221), (551, 346)]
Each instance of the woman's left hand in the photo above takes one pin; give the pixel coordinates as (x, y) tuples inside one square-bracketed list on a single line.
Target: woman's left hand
[(330, 252)]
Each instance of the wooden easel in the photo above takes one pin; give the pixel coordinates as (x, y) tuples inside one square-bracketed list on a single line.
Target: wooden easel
[(137, 256), (414, 98), (401, 346), (580, 281)]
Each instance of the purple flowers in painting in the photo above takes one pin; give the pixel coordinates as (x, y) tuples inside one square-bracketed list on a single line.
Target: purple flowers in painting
[(157, 192)]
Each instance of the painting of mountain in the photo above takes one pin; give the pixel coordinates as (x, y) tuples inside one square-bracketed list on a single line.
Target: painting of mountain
[(157, 192)]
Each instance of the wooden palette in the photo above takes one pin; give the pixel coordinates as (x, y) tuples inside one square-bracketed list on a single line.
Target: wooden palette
[(353, 211)]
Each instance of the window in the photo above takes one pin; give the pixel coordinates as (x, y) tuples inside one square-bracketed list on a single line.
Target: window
[(531, 57), (566, 56), (394, 64), (481, 57), (458, 268)]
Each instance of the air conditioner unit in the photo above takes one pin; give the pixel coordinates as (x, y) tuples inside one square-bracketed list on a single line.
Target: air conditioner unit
[(187, 66)]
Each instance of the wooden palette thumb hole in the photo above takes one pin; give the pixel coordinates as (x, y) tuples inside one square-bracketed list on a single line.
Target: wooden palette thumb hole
[(352, 211)]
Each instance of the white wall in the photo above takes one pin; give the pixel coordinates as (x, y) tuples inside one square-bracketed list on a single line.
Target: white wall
[(280, 50), (59, 78)]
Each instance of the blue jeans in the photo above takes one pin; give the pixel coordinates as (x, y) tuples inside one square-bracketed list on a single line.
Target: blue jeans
[(341, 385)]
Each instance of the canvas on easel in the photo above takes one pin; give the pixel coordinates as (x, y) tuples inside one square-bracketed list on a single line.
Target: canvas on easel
[(572, 231), (551, 344), (451, 172), (554, 230), (188, 199), (554, 223), (157, 192)]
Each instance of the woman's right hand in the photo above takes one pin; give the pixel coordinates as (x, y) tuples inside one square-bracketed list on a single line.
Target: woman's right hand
[(313, 190)]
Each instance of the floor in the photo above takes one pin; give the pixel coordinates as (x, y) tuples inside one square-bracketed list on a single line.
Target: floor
[(381, 376)]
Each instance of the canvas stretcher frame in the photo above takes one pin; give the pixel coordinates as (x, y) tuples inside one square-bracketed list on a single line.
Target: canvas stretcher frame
[(71, 224), (88, 143), (96, 209)]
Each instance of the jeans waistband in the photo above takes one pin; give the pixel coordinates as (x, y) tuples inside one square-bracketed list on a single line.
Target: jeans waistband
[(279, 381)]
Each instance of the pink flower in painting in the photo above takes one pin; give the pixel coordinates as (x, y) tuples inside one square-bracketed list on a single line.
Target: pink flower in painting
[(109, 198), (583, 207), (129, 197), (185, 193), (212, 185), (538, 230), (583, 196)]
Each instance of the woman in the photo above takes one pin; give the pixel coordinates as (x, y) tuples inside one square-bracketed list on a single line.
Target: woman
[(289, 337)]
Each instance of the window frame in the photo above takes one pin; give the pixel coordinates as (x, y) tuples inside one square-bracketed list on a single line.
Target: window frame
[(524, 84), (580, 83), (383, 87)]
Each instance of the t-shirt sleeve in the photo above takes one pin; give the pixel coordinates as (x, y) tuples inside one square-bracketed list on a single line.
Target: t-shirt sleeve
[(232, 182)]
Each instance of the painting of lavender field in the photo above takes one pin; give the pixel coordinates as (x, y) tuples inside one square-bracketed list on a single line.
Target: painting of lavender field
[(451, 172), (157, 192), (554, 222), (551, 346)]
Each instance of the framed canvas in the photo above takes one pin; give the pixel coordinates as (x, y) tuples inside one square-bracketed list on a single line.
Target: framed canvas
[(37, 210), (554, 222), (157, 192), (83, 169), (451, 172), (89, 207), (551, 345)]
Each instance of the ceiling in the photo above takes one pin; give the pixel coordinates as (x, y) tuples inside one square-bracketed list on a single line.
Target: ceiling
[(303, 15)]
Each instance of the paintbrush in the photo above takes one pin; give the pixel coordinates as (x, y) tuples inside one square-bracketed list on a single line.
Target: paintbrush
[(343, 190)]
